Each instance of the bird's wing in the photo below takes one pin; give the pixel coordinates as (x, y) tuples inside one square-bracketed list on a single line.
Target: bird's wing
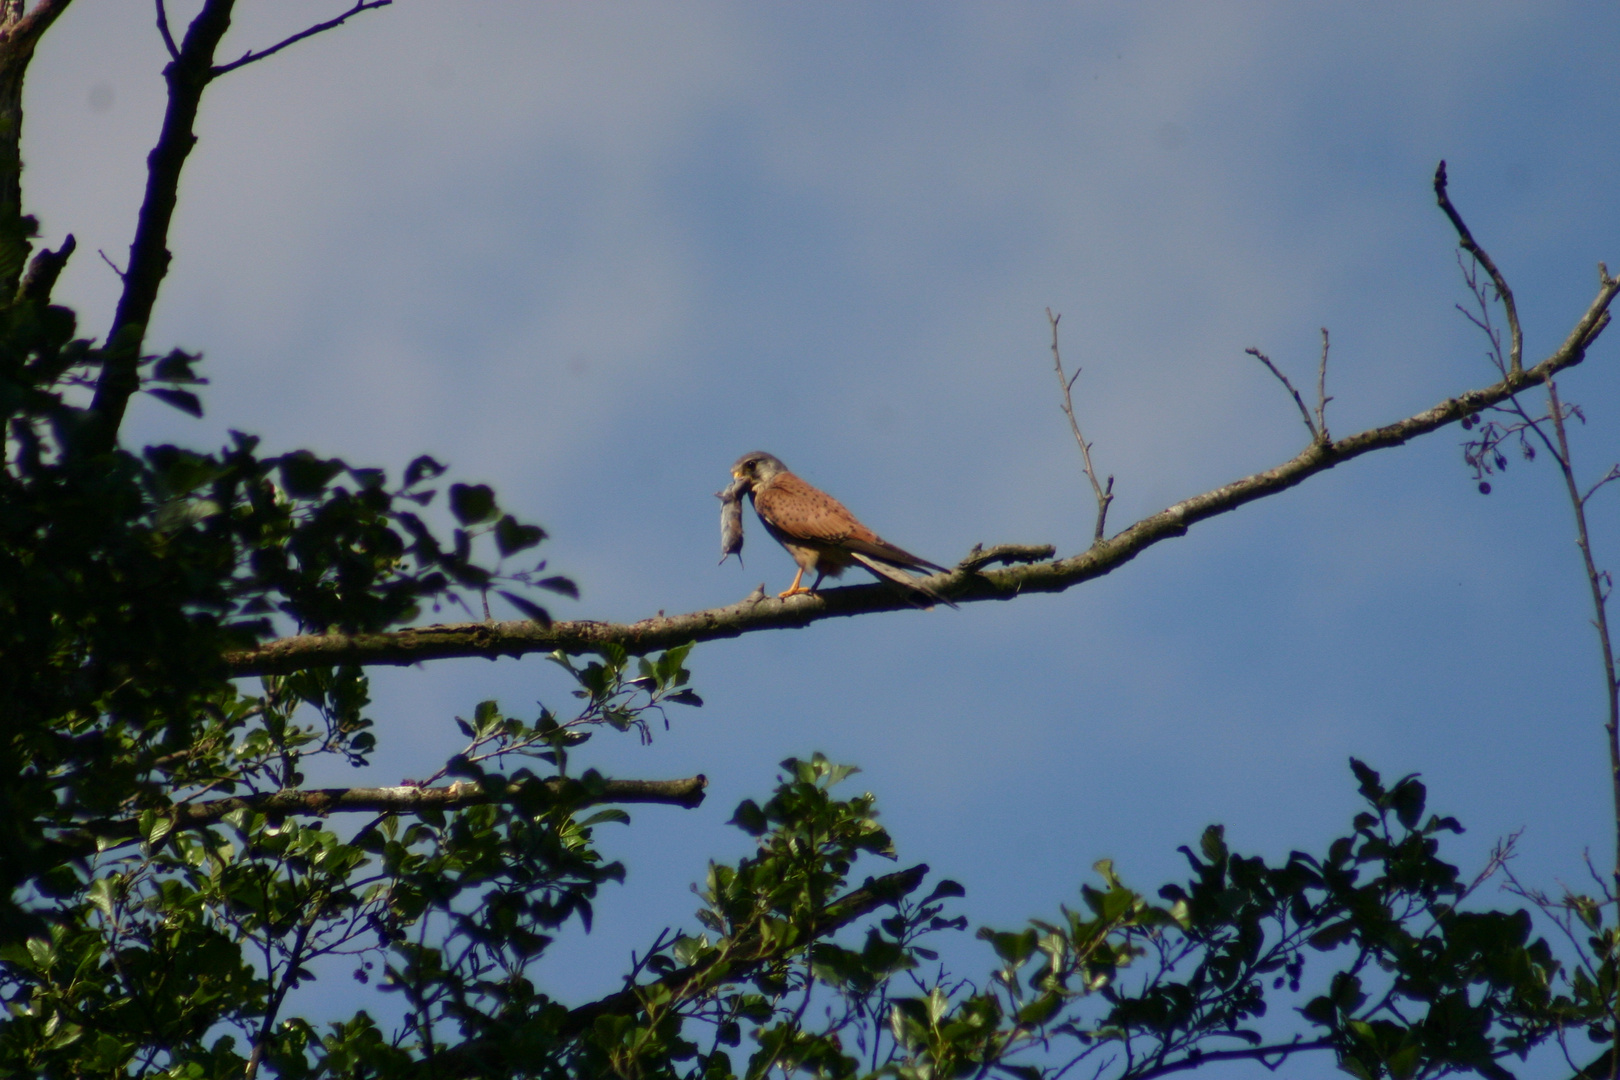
[(802, 512), (805, 512), (869, 543)]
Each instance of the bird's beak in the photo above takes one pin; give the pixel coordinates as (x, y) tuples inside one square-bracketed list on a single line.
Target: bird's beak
[(736, 474)]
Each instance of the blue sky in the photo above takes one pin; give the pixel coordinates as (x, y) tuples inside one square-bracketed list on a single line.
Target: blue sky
[(591, 254)]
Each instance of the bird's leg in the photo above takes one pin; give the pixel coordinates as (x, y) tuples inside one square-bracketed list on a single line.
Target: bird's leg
[(793, 589)]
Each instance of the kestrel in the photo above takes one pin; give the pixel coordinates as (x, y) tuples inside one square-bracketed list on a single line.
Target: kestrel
[(820, 533)]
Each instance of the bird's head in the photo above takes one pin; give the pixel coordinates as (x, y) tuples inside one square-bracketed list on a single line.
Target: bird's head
[(756, 467)]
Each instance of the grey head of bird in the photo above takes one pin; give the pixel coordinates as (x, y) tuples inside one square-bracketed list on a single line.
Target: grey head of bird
[(757, 467)]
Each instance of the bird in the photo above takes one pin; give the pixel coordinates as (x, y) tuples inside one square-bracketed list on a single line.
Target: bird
[(820, 533)]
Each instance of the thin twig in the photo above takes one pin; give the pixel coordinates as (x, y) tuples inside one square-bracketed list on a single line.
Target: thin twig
[(163, 28), (1498, 860), (1470, 272), (110, 263), (1322, 398), (1595, 582), (1103, 492), (1608, 478), (1465, 240), (250, 56), (1305, 413), (1605, 888)]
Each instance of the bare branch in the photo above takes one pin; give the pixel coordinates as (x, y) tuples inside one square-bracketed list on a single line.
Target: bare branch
[(1279, 1051), (1465, 240), (1608, 478), (408, 798), (188, 75), (1322, 398), (981, 556), (963, 585), (250, 56), (163, 29), (42, 273), (111, 265), (1310, 425), (1503, 852), (1104, 494), (20, 32), (1482, 300), (1595, 580)]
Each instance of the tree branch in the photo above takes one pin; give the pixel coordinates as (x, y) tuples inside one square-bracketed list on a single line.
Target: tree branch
[(165, 32), (42, 273), (964, 584), (1465, 240), (20, 32), (686, 793), (1310, 425), (188, 75), (18, 28), (1322, 398), (407, 798), (981, 556), (1595, 581), (250, 56), (1253, 1053), (1104, 493)]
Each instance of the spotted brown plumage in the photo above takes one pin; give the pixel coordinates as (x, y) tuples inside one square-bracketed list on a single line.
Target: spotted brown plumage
[(820, 533)]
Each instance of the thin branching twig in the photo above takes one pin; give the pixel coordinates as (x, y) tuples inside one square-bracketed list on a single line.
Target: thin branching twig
[(250, 56), (1596, 581), (163, 29), (1322, 398), (1466, 240), (1304, 412), (1103, 491)]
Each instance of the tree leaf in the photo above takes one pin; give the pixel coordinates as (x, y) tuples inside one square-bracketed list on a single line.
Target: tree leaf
[(512, 537), (560, 584), (422, 468), (750, 818), (184, 400), (175, 367), (528, 607), (305, 476), (473, 504)]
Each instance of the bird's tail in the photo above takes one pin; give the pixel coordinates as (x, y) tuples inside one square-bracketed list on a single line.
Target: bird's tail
[(900, 577)]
